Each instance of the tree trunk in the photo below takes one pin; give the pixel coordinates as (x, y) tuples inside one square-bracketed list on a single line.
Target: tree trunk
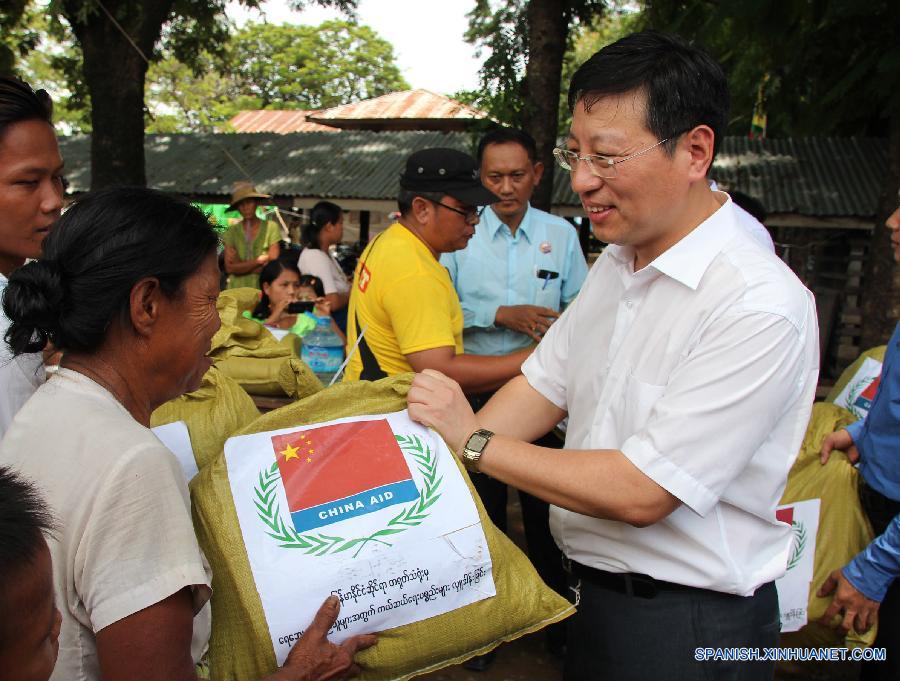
[(881, 283), (547, 30), (115, 71)]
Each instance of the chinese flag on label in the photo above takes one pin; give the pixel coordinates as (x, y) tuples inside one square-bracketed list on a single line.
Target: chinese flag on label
[(785, 515), (337, 472)]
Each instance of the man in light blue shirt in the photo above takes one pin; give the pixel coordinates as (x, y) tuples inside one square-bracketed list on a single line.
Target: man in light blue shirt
[(523, 266), (868, 587), (518, 273)]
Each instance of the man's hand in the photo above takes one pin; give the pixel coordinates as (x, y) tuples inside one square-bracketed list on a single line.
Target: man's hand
[(437, 401), (315, 658), (532, 320), (839, 439), (860, 613)]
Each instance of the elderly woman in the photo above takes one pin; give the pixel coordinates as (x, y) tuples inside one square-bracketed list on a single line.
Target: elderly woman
[(249, 243), (325, 229), (127, 288)]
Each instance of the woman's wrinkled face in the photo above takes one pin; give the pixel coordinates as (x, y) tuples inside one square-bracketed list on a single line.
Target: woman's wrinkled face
[(284, 288), (190, 324)]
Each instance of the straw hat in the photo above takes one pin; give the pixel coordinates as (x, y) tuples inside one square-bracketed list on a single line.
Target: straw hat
[(245, 191)]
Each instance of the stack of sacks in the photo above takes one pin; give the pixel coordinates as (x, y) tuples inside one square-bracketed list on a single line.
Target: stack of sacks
[(241, 646), (248, 353), (843, 530), (212, 413)]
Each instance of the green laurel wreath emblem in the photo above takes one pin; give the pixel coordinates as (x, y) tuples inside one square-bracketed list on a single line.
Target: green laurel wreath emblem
[(412, 514), (799, 543)]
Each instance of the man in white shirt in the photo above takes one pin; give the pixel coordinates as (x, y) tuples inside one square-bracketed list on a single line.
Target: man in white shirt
[(30, 201), (687, 367)]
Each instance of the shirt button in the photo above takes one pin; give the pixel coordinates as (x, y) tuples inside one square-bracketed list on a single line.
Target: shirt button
[(628, 304)]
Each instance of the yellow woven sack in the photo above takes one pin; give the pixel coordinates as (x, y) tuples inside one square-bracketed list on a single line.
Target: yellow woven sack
[(245, 350), (843, 531), (218, 408), (240, 647)]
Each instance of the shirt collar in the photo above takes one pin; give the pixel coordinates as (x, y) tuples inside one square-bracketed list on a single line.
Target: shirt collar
[(494, 223), (688, 259)]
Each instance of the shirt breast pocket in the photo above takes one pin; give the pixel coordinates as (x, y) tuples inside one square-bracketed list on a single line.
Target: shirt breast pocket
[(639, 400), (549, 287)]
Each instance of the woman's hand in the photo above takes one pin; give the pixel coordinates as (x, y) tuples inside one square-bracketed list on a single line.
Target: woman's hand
[(278, 312), (437, 401), (315, 658), (323, 307), (263, 259)]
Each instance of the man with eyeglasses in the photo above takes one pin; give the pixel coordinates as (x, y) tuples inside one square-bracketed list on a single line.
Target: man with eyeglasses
[(687, 366), (402, 298)]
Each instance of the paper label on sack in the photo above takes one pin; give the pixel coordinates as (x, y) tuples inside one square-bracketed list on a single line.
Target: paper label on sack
[(177, 439), (857, 395), (372, 509), (793, 587)]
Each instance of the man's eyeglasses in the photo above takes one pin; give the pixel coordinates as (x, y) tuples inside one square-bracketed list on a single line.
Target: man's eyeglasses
[(600, 166), (472, 215)]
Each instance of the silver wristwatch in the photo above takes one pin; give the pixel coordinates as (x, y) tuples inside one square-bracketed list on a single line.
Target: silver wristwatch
[(474, 448)]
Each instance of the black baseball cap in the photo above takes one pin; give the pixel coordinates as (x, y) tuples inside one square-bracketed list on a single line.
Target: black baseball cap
[(446, 171)]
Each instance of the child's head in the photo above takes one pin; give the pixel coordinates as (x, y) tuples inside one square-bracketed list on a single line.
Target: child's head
[(310, 287), (29, 642)]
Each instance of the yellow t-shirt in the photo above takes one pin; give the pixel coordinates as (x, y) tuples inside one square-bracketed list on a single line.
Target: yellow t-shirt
[(406, 298)]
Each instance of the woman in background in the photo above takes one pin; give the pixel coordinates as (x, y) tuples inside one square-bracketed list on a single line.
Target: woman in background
[(250, 243), (282, 284), (325, 229)]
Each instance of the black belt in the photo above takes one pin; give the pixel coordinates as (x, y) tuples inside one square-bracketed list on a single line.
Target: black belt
[(630, 583)]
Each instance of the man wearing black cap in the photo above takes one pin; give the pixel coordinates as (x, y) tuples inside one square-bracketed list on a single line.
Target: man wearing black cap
[(403, 298)]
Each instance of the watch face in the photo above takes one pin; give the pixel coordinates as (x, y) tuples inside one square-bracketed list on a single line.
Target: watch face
[(477, 442)]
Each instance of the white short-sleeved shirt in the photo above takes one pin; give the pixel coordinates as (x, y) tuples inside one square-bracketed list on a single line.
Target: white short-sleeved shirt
[(125, 538), (701, 368), (320, 264), (19, 376)]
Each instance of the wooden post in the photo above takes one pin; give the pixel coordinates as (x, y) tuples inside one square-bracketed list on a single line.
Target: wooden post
[(364, 216)]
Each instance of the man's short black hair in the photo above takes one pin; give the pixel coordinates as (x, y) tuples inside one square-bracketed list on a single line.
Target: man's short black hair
[(24, 519), (18, 103), (685, 87), (505, 135)]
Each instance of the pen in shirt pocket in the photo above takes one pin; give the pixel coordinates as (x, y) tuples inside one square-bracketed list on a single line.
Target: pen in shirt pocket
[(546, 275)]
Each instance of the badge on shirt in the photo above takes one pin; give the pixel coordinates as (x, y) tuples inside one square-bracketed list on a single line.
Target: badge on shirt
[(545, 247), (364, 277)]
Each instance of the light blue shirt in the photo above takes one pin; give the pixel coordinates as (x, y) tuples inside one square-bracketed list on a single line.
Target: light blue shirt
[(499, 268)]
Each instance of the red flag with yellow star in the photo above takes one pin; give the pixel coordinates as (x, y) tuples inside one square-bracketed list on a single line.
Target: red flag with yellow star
[(336, 472)]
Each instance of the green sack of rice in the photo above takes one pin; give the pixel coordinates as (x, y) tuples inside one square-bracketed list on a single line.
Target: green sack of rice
[(218, 408), (245, 350), (843, 530), (341, 493)]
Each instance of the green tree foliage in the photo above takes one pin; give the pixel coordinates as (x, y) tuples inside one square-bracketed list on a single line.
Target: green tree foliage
[(312, 67), (834, 65), (118, 40)]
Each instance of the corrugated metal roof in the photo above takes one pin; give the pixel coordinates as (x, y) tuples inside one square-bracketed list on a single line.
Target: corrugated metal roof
[(817, 176), (840, 177), (282, 122), (414, 104)]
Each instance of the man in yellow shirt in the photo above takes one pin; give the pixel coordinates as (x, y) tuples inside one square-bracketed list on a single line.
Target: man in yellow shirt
[(403, 298)]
